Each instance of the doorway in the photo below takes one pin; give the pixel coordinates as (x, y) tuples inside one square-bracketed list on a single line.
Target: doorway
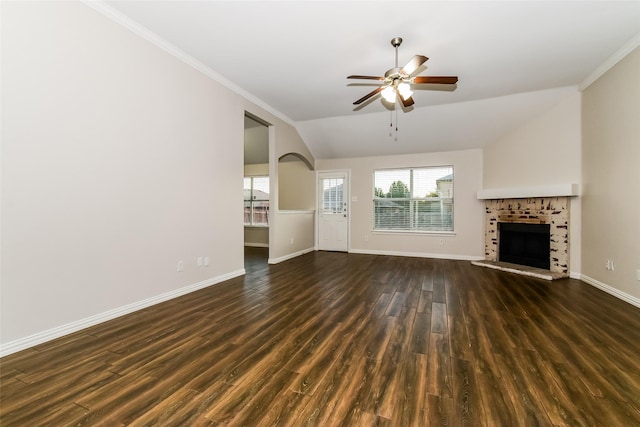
[(333, 211), (257, 193)]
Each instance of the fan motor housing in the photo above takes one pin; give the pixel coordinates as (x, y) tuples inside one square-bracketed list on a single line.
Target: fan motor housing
[(395, 74)]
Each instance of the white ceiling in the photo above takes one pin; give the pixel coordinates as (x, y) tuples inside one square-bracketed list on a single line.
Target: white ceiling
[(514, 59)]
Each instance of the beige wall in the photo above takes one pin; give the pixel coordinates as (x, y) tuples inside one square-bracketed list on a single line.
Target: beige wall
[(611, 171), (256, 236), (261, 169), (544, 151), (287, 140), (296, 235), (296, 184), (467, 240), (295, 216), (115, 157)]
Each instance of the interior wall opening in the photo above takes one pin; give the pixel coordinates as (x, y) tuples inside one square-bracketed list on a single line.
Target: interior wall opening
[(295, 172), (257, 197)]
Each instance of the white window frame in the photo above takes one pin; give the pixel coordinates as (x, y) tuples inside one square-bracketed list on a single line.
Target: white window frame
[(413, 227), (253, 200)]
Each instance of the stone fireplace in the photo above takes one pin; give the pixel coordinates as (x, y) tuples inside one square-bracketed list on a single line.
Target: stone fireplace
[(551, 211)]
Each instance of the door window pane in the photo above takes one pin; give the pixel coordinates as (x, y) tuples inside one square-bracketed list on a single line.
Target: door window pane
[(332, 195)]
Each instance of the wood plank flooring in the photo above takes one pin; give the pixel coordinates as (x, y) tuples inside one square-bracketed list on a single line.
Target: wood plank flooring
[(334, 339)]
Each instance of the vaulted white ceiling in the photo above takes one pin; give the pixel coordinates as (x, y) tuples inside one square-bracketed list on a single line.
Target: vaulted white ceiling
[(514, 59)]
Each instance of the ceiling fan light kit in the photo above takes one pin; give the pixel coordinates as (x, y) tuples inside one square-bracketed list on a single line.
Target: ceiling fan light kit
[(389, 94), (398, 81), (404, 89)]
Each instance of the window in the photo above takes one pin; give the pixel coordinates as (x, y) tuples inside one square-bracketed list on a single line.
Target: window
[(332, 195), (417, 199), (256, 201)]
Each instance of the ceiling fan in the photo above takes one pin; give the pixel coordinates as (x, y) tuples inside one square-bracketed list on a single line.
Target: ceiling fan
[(398, 81)]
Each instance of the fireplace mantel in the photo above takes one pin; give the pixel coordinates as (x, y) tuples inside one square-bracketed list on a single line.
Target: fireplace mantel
[(556, 190)]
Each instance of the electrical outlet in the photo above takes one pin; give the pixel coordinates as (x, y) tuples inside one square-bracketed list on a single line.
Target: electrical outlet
[(606, 265), (292, 240), (366, 237), (180, 265), (441, 242), (199, 261), (611, 266)]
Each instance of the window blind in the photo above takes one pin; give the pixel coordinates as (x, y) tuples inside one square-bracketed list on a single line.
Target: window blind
[(256, 201), (413, 199)]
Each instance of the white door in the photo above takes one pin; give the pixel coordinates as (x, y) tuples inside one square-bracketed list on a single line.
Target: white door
[(333, 218)]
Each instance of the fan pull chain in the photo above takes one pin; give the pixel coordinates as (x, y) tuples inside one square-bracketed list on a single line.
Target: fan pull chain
[(396, 111), (391, 128), (390, 123)]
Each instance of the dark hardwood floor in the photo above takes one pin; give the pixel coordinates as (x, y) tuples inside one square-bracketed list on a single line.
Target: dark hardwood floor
[(334, 339)]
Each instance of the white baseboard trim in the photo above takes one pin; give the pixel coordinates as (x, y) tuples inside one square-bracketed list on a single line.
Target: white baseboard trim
[(289, 256), (59, 331), (575, 275), (611, 290), (418, 254), (256, 245)]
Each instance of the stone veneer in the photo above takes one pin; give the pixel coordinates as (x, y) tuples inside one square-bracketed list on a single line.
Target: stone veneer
[(540, 210)]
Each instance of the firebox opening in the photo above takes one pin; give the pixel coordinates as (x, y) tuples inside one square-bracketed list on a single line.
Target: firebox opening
[(525, 244)]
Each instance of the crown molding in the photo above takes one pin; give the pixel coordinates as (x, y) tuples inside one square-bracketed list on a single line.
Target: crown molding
[(610, 62), (115, 15)]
